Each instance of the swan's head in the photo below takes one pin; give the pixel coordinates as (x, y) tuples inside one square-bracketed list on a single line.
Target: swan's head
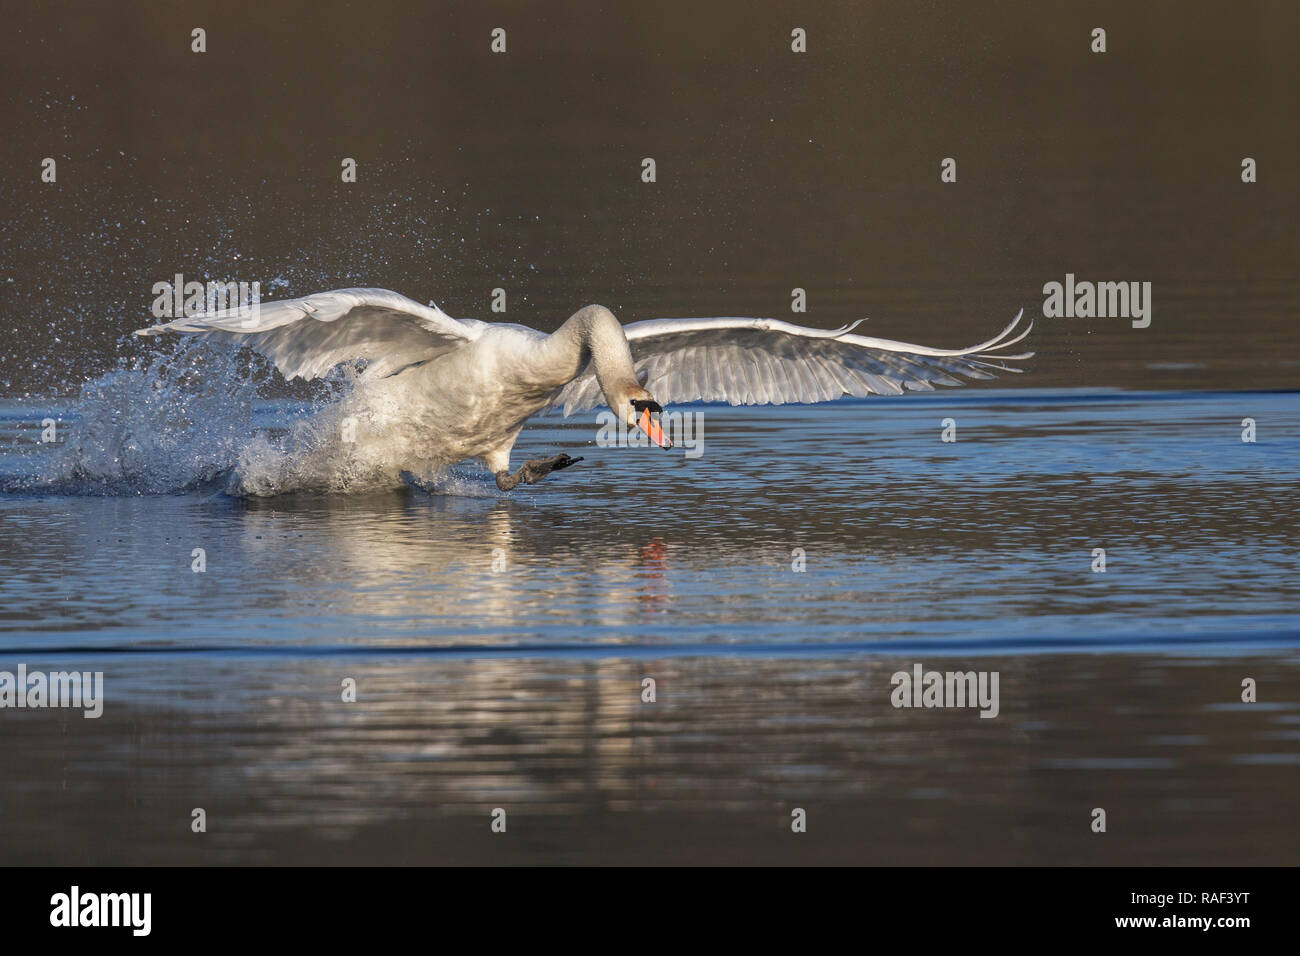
[(640, 410)]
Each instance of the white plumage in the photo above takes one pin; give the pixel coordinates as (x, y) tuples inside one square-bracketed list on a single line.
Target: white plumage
[(307, 337), (770, 362), (453, 389)]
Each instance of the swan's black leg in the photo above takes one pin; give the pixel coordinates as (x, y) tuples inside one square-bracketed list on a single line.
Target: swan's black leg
[(534, 471)]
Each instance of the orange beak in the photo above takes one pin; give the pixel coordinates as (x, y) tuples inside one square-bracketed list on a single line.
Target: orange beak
[(651, 428)]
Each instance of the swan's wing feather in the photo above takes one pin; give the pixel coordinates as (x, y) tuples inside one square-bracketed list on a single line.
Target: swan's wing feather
[(307, 337), (767, 361)]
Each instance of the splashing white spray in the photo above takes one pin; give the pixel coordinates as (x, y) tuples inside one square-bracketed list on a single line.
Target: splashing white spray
[(182, 418)]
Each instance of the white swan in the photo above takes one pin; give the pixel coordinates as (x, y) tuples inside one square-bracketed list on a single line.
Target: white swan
[(464, 389)]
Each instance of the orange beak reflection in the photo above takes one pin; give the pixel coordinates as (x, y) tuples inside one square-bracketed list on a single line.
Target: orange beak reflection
[(651, 427)]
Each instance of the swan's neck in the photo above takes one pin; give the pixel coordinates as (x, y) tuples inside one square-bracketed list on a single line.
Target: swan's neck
[(592, 335)]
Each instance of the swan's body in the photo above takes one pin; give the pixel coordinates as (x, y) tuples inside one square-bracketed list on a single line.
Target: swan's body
[(440, 390)]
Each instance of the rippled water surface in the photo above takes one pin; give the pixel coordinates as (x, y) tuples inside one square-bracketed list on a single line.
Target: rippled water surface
[(499, 644), (773, 585)]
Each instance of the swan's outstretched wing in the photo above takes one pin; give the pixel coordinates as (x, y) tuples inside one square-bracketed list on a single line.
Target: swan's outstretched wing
[(309, 336), (767, 361)]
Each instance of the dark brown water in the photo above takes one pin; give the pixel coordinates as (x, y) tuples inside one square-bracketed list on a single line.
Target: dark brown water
[(709, 773), (775, 170)]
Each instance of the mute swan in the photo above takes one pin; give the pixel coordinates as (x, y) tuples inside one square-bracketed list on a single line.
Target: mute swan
[(465, 388)]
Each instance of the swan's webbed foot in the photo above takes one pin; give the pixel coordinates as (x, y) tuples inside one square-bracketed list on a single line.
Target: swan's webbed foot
[(534, 471)]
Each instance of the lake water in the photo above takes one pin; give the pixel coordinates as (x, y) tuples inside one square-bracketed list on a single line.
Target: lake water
[(499, 645)]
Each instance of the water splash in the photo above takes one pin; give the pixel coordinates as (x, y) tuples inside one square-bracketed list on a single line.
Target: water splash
[(348, 445), (163, 421), (183, 417), (455, 483)]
